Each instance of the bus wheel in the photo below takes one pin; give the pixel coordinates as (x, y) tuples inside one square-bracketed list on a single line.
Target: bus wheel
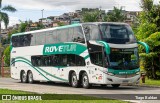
[(115, 85), (30, 77), (23, 77), (103, 85), (85, 81), (74, 81)]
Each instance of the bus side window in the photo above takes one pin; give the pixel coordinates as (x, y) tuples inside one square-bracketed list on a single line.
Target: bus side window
[(78, 35), (70, 35), (95, 34), (41, 38), (33, 39), (15, 40)]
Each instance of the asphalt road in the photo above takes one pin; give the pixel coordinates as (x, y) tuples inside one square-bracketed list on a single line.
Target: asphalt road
[(61, 88)]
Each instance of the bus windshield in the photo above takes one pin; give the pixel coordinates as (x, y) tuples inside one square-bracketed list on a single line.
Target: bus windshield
[(127, 59), (117, 33)]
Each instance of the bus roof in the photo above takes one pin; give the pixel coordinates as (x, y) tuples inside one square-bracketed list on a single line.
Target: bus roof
[(116, 23), (68, 26), (36, 31)]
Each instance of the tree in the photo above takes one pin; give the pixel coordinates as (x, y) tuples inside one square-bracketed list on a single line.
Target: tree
[(7, 56), (149, 32), (92, 16), (116, 15), (4, 16)]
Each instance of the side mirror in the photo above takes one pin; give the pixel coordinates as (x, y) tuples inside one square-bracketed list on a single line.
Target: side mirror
[(145, 45)]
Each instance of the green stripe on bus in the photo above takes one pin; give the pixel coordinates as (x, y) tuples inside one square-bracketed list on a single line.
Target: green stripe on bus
[(107, 47), (31, 66), (123, 71), (40, 69), (86, 57)]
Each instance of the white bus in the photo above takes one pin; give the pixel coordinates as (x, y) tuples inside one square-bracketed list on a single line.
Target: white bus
[(103, 53)]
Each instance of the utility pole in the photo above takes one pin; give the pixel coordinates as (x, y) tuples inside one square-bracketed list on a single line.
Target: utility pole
[(42, 12)]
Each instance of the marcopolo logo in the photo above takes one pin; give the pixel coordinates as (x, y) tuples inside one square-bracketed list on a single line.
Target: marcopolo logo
[(62, 48)]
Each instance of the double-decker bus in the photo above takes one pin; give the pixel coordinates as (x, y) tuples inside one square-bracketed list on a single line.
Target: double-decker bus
[(83, 54)]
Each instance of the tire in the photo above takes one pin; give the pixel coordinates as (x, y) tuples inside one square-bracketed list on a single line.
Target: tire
[(74, 80), (30, 77), (23, 77), (103, 85), (85, 81), (115, 85)]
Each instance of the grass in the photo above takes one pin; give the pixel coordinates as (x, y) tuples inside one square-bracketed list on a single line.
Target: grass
[(151, 82), (85, 99)]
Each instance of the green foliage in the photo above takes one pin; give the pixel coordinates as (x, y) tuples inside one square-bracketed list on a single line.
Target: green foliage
[(22, 27), (145, 30), (149, 31), (117, 15), (60, 24), (7, 56), (4, 16), (92, 16)]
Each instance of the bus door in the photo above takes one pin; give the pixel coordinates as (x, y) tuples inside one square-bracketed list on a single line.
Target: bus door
[(97, 59)]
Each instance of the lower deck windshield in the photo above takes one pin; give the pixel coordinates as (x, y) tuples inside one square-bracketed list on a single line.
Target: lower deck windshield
[(124, 59)]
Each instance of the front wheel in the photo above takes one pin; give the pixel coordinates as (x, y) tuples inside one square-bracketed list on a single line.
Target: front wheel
[(85, 81), (115, 85)]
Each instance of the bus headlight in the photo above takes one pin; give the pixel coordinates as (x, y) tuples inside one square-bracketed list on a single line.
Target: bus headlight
[(111, 74)]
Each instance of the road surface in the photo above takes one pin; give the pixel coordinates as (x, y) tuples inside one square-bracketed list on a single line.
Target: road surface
[(61, 88)]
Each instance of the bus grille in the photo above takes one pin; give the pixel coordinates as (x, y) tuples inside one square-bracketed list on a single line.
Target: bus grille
[(125, 76)]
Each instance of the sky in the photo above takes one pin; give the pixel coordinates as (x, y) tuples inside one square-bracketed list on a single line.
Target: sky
[(31, 9)]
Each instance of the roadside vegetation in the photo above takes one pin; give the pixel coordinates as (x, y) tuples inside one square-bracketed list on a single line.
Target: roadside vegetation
[(151, 82), (58, 98)]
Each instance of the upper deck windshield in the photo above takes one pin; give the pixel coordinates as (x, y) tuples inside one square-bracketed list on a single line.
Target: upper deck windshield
[(117, 33)]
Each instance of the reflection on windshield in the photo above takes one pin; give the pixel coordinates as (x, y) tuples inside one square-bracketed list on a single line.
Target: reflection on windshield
[(124, 59), (114, 33)]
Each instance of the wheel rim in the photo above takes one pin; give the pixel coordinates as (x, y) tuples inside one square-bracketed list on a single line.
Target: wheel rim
[(85, 81), (24, 77), (74, 80), (30, 77)]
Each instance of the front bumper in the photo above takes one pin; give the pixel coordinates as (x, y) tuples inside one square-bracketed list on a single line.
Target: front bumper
[(120, 80)]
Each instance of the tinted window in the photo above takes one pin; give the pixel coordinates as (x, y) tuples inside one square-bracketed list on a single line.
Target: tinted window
[(33, 39), (21, 40), (58, 60), (95, 34), (62, 37), (40, 38), (49, 37), (114, 33), (71, 33), (15, 41), (78, 35), (24, 40)]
